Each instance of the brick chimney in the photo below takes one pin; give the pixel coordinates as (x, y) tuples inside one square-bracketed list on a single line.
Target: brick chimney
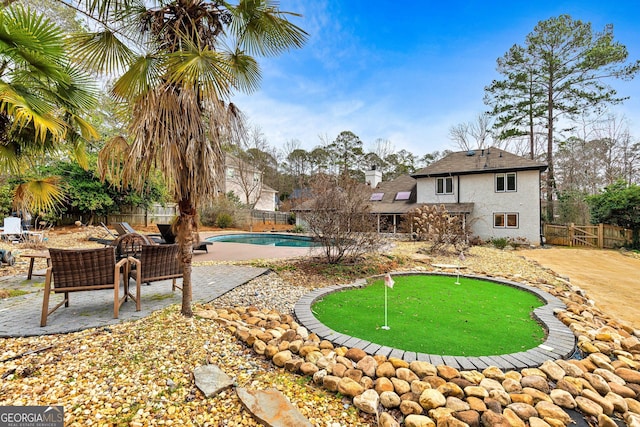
[(373, 177)]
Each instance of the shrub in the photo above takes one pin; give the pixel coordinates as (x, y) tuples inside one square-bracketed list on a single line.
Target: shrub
[(298, 229), (500, 242), (434, 224), (221, 205), (224, 220)]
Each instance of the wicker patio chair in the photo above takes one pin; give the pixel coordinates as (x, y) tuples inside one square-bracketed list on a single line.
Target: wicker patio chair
[(156, 263), (130, 245), (74, 270)]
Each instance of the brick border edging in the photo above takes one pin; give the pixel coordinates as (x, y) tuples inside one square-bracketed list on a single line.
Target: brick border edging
[(560, 342)]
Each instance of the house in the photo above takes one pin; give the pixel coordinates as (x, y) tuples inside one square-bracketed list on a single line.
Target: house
[(498, 193), (245, 181)]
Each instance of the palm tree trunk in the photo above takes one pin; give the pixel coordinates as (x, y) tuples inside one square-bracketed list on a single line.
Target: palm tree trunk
[(186, 227)]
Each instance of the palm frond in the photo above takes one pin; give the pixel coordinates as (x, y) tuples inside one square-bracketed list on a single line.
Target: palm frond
[(245, 70), (111, 159), (204, 69), (144, 73), (39, 195), (262, 29), (100, 51)]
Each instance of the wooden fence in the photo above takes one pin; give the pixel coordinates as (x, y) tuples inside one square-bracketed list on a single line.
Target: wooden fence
[(597, 236)]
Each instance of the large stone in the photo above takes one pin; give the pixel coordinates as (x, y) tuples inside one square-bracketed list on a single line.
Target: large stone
[(633, 405), (500, 396), (330, 382), (536, 394), (562, 398), (605, 421), (211, 380), (471, 418), (571, 369), (607, 407), (451, 389), (523, 410), (550, 410), (390, 399), (588, 406), (448, 372), (632, 419), (494, 373), (422, 369), (622, 390), (456, 404), (367, 401), (629, 375), (271, 408), (569, 386), (408, 407), (491, 384), (398, 363), (387, 420), (308, 368), (439, 415), (476, 391), (511, 386), (521, 398), (383, 384), (631, 344), (553, 370), (476, 404), (513, 418), (368, 366), (280, 358), (493, 419), (406, 374), (601, 361), (618, 402), (385, 369), (597, 382), (418, 387), (535, 381), (400, 386), (355, 354), (609, 376), (475, 377), (354, 374), (538, 422), (430, 399), (349, 387), (418, 421), (451, 421)]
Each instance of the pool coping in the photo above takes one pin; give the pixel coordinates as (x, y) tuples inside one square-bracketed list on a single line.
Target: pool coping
[(560, 342)]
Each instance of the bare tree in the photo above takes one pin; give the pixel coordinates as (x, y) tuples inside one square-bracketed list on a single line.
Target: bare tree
[(474, 134), (339, 218)]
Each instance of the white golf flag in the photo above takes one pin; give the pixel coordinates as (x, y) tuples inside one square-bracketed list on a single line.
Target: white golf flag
[(388, 281)]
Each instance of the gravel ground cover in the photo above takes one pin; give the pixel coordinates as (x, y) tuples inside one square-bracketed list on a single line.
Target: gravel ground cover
[(140, 373)]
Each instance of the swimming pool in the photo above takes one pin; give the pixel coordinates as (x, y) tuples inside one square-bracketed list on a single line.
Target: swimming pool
[(266, 239)]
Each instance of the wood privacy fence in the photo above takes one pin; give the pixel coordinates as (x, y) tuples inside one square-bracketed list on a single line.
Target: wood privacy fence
[(597, 236)]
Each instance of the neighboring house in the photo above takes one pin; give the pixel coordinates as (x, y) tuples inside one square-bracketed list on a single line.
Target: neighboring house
[(246, 182), (497, 192)]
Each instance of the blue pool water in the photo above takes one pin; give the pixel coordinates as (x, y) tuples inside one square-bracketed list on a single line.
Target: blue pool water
[(266, 239)]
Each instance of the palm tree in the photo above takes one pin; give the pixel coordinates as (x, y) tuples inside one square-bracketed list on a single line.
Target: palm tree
[(41, 95), (180, 62)]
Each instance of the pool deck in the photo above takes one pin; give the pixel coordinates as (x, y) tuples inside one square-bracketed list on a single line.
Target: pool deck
[(559, 343)]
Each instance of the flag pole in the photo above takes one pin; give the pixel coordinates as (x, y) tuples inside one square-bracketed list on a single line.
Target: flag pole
[(385, 327)]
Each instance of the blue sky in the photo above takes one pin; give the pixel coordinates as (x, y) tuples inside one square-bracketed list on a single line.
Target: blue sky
[(407, 71)]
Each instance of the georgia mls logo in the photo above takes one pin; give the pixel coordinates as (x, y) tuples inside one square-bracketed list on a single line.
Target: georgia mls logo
[(31, 416)]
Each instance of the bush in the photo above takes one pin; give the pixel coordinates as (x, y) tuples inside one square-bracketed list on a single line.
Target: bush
[(224, 220), (500, 242), (221, 205), (298, 229)]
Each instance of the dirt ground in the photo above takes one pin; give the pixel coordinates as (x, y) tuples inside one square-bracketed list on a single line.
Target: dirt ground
[(610, 278)]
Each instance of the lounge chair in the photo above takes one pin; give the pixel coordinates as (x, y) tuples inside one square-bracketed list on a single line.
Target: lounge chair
[(124, 228), (169, 238), (156, 263), (74, 270), (12, 229)]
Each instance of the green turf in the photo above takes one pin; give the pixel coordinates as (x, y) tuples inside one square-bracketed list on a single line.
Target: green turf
[(430, 314)]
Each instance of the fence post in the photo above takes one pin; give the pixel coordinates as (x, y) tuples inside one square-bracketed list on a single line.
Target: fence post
[(570, 233), (601, 235)]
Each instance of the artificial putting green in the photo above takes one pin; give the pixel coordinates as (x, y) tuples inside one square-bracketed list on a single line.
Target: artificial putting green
[(431, 314)]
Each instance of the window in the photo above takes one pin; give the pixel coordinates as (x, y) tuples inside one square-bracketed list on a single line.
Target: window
[(444, 185), (505, 182), (256, 177), (403, 195), (231, 172), (505, 220), (376, 197)]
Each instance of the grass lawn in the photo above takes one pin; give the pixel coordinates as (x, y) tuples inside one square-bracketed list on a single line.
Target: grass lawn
[(430, 314)]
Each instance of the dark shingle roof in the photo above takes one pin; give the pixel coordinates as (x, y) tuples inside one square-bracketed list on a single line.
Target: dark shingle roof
[(478, 161)]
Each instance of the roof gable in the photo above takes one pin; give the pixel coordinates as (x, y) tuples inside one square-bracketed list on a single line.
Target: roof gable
[(488, 160)]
